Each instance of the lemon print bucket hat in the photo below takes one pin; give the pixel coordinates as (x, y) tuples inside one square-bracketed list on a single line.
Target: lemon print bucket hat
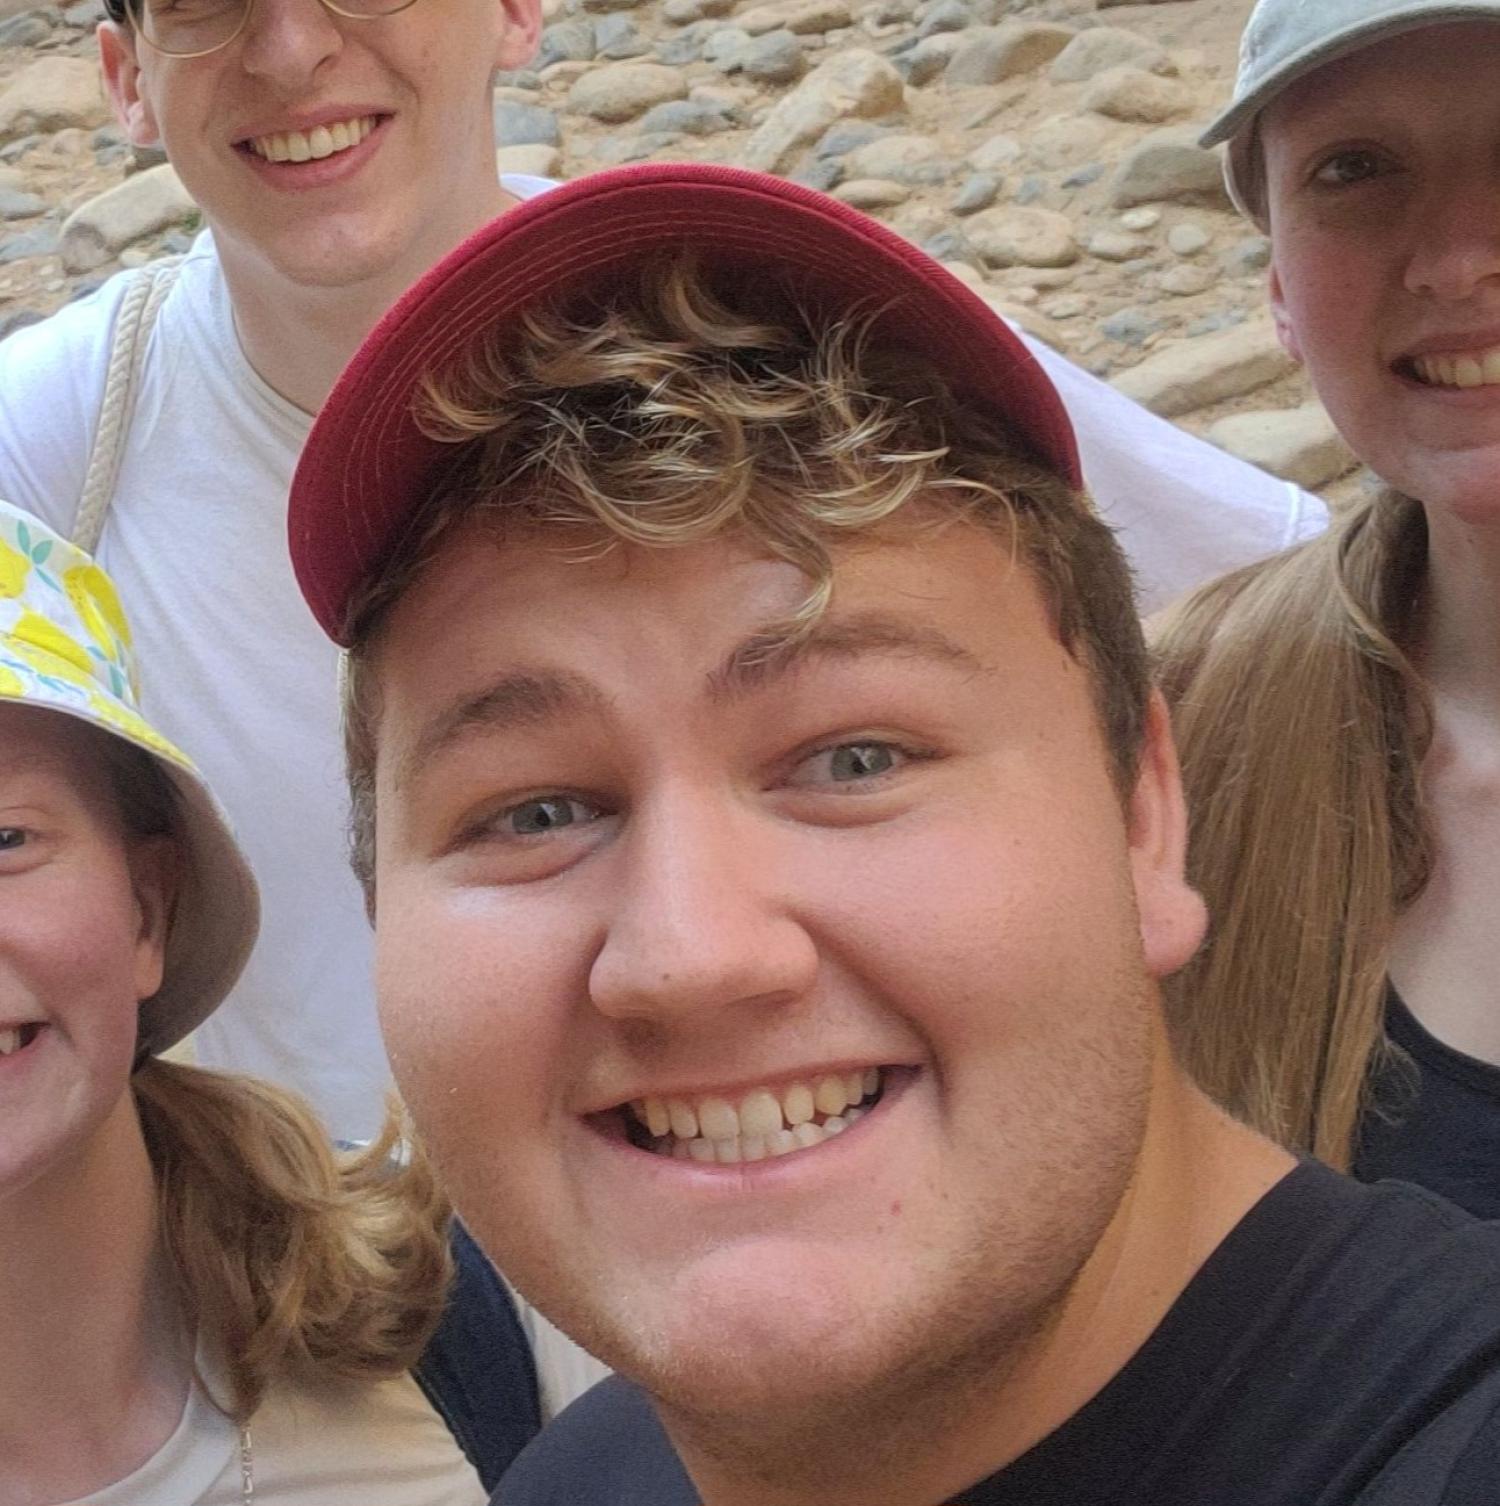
[(65, 647)]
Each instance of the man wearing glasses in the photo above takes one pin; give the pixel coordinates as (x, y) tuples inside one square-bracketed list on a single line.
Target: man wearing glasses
[(337, 150)]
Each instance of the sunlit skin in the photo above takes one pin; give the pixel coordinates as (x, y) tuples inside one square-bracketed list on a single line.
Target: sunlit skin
[(1383, 180), (81, 921), (617, 856)]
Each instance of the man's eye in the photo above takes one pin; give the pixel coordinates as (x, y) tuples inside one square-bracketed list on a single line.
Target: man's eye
[(12, 838), (1344, 168), (535, 818), (847, 763)]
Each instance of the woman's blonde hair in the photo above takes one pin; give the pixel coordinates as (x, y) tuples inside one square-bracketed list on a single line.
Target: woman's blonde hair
[(680, 405), (291, 1260), (1302, 728)]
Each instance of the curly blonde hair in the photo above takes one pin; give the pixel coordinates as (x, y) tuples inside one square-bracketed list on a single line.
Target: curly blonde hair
[(677, 406)]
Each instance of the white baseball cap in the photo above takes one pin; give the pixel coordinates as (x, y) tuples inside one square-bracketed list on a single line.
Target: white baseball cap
[(1285, 39)]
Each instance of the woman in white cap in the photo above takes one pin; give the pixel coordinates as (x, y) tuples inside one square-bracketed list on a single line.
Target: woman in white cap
[(200, 1303), (1338, 708)]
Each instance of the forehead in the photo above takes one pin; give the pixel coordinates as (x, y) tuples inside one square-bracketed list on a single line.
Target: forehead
[(645, 625), (51, 747)]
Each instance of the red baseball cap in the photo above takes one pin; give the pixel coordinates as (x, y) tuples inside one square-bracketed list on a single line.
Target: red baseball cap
[(367, 465)]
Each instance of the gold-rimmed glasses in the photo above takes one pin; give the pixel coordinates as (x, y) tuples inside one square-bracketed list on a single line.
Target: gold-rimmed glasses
[(194, 28)]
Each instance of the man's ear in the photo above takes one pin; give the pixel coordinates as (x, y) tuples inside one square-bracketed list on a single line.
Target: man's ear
[(1285, 332), (521, 21), (155, 864), (1172, 914), (122, 82)]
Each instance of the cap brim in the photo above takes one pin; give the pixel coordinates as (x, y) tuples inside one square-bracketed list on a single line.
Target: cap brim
[(366, 463), (1377, 29)]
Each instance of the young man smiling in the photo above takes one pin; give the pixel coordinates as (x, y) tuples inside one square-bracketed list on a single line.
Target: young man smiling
[(337, 150), (775, 849)]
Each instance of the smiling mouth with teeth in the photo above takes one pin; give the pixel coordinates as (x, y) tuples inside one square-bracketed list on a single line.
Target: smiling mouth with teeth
[(314, 145), (1479, 368), (15, 1038), (761, 1125)]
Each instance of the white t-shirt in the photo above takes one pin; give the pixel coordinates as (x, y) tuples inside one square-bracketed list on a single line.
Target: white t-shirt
[(235, 670), (343, 1445)]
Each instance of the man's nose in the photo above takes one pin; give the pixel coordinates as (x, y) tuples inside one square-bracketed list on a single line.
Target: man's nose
[(1456, 231), (285, 42), (699, 923)]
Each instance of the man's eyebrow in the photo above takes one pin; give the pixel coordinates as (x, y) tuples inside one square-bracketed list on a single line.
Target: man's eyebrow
[(519, 698), (768, 656)]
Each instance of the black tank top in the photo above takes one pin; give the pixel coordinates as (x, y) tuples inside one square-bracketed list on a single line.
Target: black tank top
[(1436, 1121)]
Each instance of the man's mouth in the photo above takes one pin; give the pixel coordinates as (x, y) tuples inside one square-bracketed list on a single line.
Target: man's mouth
[(757, 1125), (14, 1038), (314, 145), (1470, 368)]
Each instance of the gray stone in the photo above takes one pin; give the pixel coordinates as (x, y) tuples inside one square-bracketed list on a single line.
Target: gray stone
[(1115, 245), (845, 136), (20, 206), (1090, 173), (1144, 218), (614, 151), (29, 29), (1069, 306), (900, 157), (524, 125), (684, 12), (99, 230), (1185, 280), (1188, 238), (1010, 236), (724, 46), (1197, 373), (890, 13), (52, 94), (687, 46), (929, 59), (618, 37), (691, 117), (773, 58), (1000, 52), (1058, 143), (1095, 51), (1169, 164), (84, 14), (871, 194), (534, 161), (620, 91), (994, 153), (1248, 256), (945, 15), (1130, 326), (566, 42), (1133, 94), (602, 7), (805, 17), (42, 241), (1030, 191), (527, 78), (978, 191), (144, 158), (822, 173), (1297, 444), (852, 83), (1212, 323), (12, 151)]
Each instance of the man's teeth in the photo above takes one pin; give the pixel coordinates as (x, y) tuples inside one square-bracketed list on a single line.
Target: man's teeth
[(311, 146), (1480, 368), (764, 1122)]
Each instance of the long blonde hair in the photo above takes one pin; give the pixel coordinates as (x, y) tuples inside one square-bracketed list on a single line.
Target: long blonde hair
[(1302, 727), (292, 1260)]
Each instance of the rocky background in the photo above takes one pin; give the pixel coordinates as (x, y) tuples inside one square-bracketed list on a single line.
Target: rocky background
[(1043, 149)]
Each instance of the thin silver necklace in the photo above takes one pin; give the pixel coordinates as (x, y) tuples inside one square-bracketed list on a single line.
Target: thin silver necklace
[(247, 1467)]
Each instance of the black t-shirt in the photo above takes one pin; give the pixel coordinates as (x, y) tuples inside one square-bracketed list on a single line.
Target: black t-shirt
[(1435, 1118), (1342, 1345)]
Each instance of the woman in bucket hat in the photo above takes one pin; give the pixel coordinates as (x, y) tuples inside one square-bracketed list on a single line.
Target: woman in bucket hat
[(1338, 708), (202, 1303)]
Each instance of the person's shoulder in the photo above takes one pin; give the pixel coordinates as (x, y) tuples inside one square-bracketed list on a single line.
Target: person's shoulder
[(607, 1449)]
